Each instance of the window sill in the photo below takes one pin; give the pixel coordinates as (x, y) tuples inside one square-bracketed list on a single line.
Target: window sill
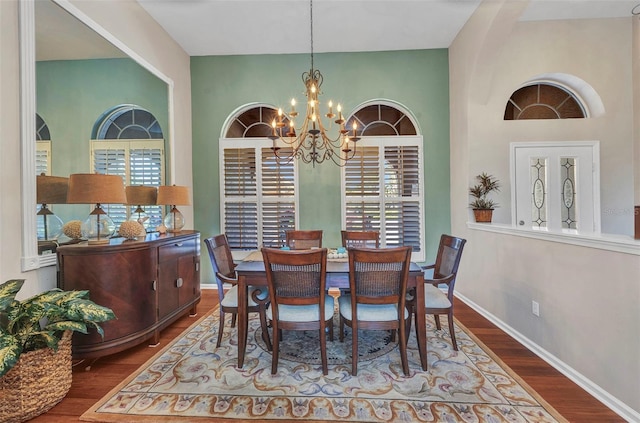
[(617, 243)]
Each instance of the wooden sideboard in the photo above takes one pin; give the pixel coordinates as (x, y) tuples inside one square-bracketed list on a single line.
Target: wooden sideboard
[(147, 283)]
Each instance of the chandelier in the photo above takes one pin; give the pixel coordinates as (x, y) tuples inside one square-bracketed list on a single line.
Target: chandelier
[(311, 142)]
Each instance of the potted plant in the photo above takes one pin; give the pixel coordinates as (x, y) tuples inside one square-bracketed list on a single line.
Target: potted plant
[(35, 346), (482, 205)]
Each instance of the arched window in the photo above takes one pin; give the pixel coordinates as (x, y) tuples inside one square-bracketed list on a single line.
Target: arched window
[(127, 121), (127, 140), (43, 147), (382, 186), (382, 119), (259, 193), (543, 101)]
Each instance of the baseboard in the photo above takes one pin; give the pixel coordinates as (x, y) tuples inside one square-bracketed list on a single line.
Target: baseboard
[(596, 391)]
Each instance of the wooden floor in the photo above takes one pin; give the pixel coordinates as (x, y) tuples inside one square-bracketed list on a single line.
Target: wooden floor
[(565, 396)]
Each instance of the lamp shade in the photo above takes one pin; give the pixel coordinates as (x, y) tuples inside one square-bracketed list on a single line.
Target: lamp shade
[(139, 195), (173, 195), (51, 189), (91, 188)]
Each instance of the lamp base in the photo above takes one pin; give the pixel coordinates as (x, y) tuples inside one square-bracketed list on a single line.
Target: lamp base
[(98, 227), (174, 220)]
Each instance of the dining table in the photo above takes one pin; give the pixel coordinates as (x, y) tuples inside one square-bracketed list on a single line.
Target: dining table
[(251, 272)]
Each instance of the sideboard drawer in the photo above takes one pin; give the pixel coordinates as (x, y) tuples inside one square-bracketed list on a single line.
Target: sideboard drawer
[(176, 249)]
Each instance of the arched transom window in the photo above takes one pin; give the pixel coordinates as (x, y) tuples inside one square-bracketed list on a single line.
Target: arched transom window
[(543, 101)]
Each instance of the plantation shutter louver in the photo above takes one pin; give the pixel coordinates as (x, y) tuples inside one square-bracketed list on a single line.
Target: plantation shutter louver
[(240, 191), (362, 189), (146, 166), (111, 160), (402, 193), (278, 198)]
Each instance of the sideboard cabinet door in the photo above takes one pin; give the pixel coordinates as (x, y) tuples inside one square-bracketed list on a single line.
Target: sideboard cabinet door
[(179, 276)]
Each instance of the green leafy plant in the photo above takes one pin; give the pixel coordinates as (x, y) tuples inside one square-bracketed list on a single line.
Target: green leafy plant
[(480, 192), (40, 321)]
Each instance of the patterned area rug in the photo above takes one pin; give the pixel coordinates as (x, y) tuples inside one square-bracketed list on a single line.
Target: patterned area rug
[(191, 379)]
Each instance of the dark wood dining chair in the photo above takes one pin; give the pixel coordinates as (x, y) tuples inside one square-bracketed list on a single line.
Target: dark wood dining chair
[(297, 281), (361, 239), (304, 240), (445, 270), (224, 271), (378, 286)]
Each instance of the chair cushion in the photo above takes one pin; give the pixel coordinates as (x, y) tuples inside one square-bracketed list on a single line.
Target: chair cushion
[(303, 313), (434, 297), (370, 312), (231, 296)]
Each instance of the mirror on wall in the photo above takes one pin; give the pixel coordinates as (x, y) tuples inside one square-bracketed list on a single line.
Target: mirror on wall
[(77, 73)]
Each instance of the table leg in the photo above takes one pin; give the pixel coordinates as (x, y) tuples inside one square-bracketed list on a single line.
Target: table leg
[(243, 320), (421, 321)]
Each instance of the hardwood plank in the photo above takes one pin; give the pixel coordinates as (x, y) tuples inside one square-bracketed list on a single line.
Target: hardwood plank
[(575, 404)]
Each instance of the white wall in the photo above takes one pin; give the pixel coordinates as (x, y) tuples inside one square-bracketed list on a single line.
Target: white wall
[(134, 27), (589, 298)]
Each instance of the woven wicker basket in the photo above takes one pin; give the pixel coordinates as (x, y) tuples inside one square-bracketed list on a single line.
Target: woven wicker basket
[(483, 215), (39, 380)]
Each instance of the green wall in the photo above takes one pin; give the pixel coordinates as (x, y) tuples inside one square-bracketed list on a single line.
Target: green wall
[(417, 79), (71, 97)]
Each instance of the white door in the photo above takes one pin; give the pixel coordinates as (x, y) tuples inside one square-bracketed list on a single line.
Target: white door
[(556, 186)]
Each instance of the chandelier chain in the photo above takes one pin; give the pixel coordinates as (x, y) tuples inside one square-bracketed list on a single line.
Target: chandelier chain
[(311, 31)]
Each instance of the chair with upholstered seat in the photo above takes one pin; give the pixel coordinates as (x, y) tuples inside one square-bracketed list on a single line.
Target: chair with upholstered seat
[(445, 270), (361, 239), (378, 285), (224, 271), (304, 240), (297, 281)]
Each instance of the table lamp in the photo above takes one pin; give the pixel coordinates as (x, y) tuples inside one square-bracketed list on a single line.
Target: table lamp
[(95, 188), (50, 190), (140, 195), (173, 195)]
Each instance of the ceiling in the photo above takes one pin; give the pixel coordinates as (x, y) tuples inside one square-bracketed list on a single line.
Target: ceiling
[(231, 27)]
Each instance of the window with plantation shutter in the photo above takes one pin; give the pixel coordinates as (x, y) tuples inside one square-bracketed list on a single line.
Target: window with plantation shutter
[(43, 157), (382, 185), (43, 147), (259, 198), (43, 161), (139, 161)]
